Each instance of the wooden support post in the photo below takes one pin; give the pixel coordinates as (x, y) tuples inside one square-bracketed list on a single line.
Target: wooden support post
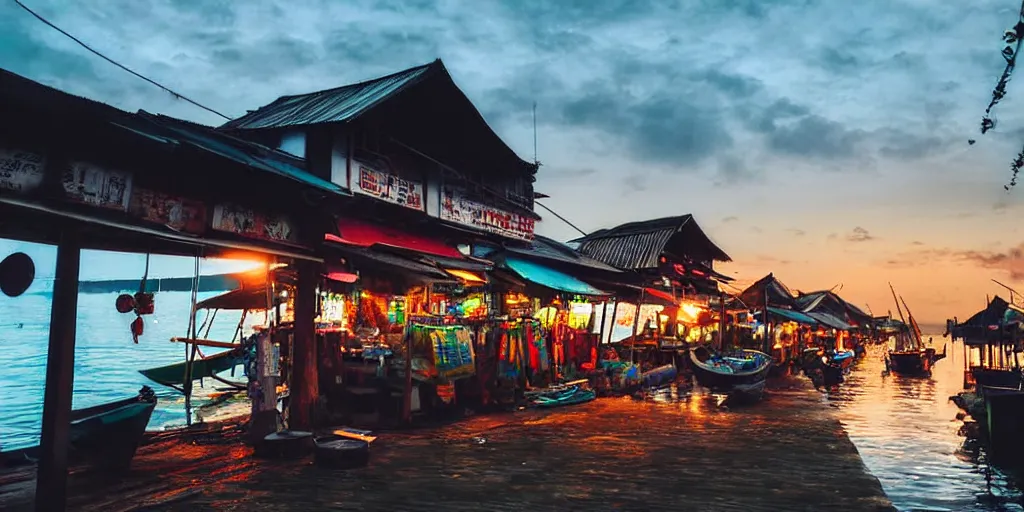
[(305, 378), (407, 388), (52, 479)]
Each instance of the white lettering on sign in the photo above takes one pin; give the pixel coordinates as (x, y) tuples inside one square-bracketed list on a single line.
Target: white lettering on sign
[(390, 188), (20, 171), (456, 207)]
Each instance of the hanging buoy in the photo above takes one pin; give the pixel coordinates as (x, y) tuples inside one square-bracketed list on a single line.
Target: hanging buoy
[(137, 328), (17, 272), (144, 304), (125, 303)]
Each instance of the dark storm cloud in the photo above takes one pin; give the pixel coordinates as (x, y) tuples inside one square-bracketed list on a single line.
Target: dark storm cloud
[(624, 77)]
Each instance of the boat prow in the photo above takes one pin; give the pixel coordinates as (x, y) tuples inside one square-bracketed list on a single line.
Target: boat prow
[(719, 372), (105, 436)]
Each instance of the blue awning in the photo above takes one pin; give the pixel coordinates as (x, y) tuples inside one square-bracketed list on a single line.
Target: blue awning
[(794, 316), (549, 277)]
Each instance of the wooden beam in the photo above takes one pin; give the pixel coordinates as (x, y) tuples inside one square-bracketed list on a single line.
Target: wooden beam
[(305, 379), (51, 484), (206, 343)]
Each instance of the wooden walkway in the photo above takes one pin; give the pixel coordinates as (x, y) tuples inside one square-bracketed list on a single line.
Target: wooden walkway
[(787, 453)]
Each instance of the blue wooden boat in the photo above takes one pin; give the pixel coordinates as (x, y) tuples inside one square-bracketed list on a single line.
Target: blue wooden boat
[(104, 436), (722, 372), (569, 395)]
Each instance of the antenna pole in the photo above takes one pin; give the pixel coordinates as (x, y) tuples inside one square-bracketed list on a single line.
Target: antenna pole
[(535, 132)]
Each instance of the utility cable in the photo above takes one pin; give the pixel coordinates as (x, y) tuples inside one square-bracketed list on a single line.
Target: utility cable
[(563, 219), (112, 61)]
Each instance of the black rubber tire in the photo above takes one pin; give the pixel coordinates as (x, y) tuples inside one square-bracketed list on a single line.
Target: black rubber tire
[(341, 452), (286, 444)]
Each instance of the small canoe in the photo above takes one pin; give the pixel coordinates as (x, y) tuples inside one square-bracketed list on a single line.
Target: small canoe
[(174, 374), (105, 436), (719, 372), (572, 395)]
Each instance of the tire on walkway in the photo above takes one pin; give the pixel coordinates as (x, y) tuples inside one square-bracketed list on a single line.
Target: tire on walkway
[(341, 452)]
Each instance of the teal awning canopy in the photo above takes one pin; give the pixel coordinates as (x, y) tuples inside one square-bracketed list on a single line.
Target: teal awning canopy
[(549, 277), (794, 316)]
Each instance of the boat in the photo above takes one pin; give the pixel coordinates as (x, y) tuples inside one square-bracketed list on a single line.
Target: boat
[(720, 372), (913, 362), (909, 357), (562, 395), (104, 436), (173, 375), (1004, 420), (826, 370), (210, 365)]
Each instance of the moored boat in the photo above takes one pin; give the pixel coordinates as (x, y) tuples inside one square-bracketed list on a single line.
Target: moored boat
[(173, 375), (562, 396), (913, 363), (1004, 420), (721, 372), (105, 436), (909, 357)]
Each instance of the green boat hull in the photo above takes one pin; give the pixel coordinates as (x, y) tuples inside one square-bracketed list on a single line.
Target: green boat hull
[(174, 374)]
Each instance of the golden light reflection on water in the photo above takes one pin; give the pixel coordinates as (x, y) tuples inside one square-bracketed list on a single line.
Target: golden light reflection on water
[(908, 435)]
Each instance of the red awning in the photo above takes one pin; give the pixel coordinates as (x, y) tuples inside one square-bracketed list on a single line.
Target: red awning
[(365, 234), (667, 297)]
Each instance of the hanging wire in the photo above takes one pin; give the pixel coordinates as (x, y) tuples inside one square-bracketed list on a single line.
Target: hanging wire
[(176, 94)]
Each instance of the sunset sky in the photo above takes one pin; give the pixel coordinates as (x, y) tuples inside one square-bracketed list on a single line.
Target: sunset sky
[(825, 141)]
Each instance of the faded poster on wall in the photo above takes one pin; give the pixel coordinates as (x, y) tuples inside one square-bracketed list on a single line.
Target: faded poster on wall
[(456, 207), (97, 186), (177, 213), (20, 171), (252, 224), (390, 188)]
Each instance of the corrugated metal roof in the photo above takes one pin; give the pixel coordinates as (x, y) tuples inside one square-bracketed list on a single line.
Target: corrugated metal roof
[(242, 151), (336, 105), (628, 251), (638, 245)]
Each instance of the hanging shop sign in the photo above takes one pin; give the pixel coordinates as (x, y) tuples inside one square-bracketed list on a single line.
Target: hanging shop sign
[(390, 188), (20, 171), (252, 224), (456, 207), (97, 186), (174, 212)]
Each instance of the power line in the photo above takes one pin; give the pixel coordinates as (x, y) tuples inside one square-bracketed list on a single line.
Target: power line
[(563, 219), (112, 61)]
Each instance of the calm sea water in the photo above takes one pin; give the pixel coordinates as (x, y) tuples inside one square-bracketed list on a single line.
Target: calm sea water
[(907, 433), (106, 359), (905, 429)]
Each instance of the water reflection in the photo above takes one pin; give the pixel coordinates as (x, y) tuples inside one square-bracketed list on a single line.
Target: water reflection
[(908, 435)]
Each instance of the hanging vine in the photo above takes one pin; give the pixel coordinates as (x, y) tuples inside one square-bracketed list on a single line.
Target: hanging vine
[(1013, 38)]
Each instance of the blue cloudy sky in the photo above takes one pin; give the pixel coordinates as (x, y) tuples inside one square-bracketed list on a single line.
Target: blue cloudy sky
[(822, 140)]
